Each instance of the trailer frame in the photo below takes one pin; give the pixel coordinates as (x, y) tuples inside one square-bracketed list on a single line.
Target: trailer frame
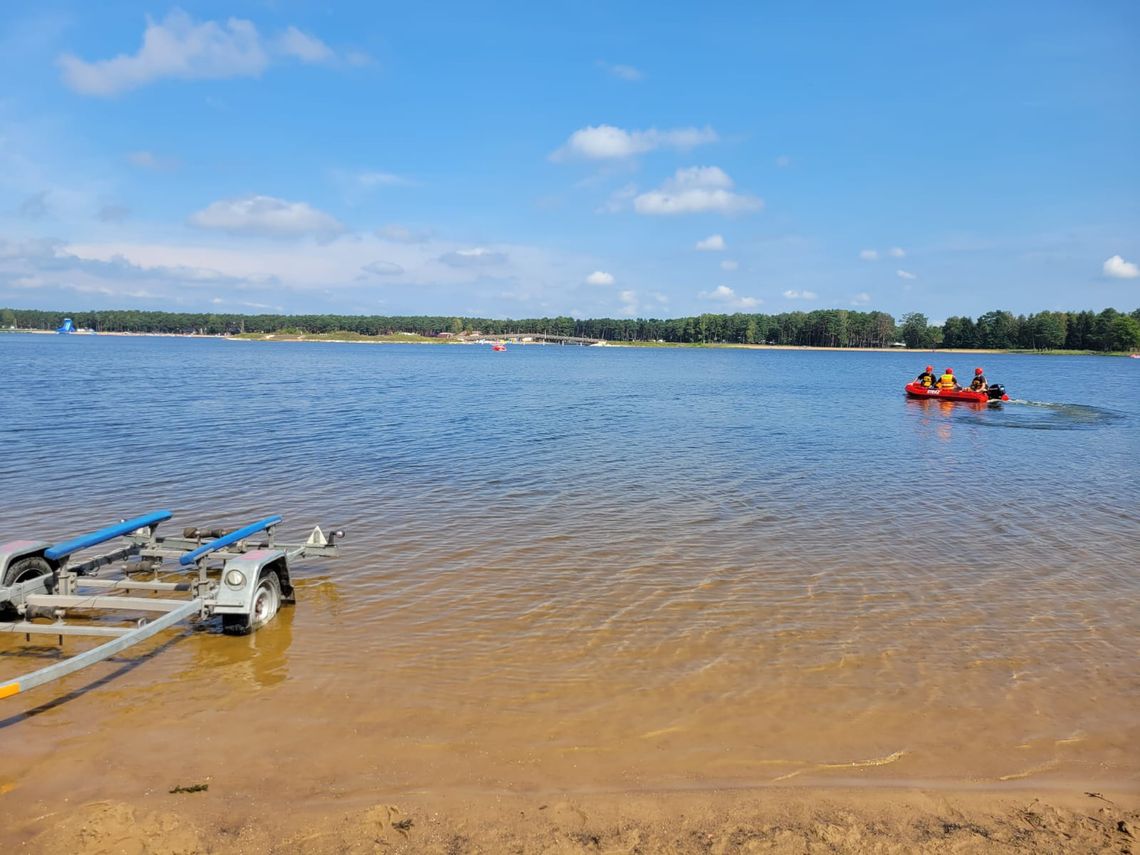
[(241, 575)]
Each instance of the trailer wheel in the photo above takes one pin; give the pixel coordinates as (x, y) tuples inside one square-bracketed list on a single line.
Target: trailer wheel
[(266, 602), (21, 570)]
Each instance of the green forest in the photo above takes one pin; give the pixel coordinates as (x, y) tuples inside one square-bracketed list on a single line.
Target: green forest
[(1106, 331)]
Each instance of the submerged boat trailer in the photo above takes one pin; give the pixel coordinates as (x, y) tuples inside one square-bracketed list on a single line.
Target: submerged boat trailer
[(224, 573)]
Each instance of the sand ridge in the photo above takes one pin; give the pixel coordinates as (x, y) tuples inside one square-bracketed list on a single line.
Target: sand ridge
[(785, 821)]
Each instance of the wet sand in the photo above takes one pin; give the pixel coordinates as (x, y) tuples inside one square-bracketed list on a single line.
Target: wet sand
[(771, 820)]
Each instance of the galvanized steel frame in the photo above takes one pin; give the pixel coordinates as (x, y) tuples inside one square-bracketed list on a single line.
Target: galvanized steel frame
[(59, 590)]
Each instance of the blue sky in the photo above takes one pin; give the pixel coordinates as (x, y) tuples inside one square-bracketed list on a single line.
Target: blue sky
[(591, 159)]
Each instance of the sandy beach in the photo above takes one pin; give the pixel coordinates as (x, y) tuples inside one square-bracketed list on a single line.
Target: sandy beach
[(880, 820)]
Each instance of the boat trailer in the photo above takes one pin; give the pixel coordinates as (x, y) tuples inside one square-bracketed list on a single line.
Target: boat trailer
[(240, 575)]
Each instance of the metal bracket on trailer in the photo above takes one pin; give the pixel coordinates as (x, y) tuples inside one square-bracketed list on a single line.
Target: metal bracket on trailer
[(249, 599), (98, 654), (266, 525)]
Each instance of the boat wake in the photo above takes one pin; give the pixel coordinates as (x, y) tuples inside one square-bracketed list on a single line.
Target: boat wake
[(1050, 415)]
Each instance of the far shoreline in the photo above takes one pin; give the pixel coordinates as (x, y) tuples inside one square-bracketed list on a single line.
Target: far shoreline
[(412, 338)]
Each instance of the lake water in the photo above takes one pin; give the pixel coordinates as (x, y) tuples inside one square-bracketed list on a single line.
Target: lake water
[(592, 568)]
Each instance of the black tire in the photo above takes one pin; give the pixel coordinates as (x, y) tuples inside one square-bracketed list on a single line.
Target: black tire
[(266, 604), (21, 570)]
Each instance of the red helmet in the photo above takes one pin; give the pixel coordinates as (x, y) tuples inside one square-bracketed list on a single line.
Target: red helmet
[(929, 367), (977, 371), (949, 370)]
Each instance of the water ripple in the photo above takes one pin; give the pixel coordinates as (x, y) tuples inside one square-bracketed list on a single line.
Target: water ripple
[(561, 550)]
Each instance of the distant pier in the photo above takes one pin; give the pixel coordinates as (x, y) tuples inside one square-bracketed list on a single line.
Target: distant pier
[(523, 338)]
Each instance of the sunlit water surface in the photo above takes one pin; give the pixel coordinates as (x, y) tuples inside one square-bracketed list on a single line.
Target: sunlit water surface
[(592, 568)]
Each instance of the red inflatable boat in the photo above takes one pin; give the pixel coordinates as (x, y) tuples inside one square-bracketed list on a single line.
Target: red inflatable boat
[(995, 393)]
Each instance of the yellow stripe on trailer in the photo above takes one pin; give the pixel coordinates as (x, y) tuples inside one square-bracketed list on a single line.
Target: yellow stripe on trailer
[(6, 691)]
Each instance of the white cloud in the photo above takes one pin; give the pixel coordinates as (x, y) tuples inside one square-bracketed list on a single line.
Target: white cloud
[(383, 268), (36, 248), (143, 159), (179, 47), (402, 234), (476, 257), (623, 72), (49, 267), (335, 274), (618, 200), (713, 243), (1118, 268), (800, 295), (729, 264), (306, 48), (332, 274), (697, 189), (113, 213), (379, 179), (357, 185), (874, 254), (600, 277), (245, 304), (724, 294), (905, 274), (266, 216), (150, 160), (35, 207), (606, 142), (629, 303), (861, 299)]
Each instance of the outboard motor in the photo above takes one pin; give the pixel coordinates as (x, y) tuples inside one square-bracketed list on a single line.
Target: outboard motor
[(996, 391)]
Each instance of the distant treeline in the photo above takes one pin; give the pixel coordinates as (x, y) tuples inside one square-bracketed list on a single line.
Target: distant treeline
[(1105, 331), (1109, 330)]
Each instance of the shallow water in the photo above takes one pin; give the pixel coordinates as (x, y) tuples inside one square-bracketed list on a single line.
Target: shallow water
[(593, 568)]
